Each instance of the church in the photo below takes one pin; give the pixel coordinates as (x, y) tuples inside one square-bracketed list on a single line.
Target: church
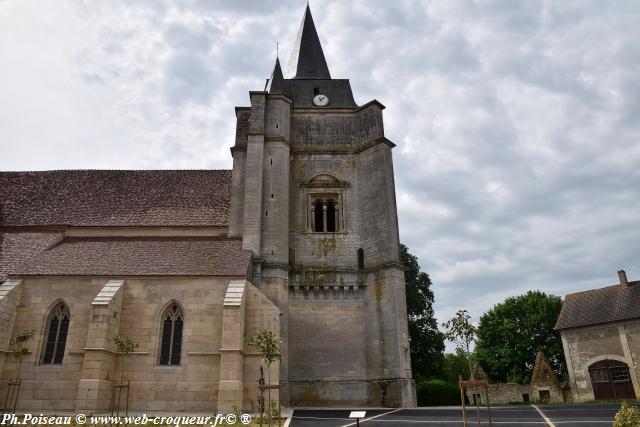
[(300, 238)]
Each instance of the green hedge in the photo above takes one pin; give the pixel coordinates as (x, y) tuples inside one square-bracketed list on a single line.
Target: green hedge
[(437, 393)]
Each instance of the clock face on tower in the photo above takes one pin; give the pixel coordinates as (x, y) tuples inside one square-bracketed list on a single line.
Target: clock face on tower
[(320, 100)]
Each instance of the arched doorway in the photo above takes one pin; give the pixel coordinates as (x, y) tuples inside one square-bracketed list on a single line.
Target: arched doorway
[(611, 379)]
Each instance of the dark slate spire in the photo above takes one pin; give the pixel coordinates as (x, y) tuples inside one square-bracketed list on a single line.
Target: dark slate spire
[(274, 85), (307, 59)]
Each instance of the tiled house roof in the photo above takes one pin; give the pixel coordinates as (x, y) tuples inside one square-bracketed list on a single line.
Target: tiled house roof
[(140, 256), (610, 304), (115, 198)]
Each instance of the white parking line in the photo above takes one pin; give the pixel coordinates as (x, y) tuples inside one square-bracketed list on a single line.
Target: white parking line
[(549, 423), (372, 418)]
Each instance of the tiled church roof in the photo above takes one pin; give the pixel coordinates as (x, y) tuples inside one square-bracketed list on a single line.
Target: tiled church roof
[(140, 256), (17, 246), (115, 198), (610, 304)]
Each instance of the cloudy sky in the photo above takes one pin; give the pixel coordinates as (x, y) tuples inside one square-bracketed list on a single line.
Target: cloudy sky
[(517, 122)]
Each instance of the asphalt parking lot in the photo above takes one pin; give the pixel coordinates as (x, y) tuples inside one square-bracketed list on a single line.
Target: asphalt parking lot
[(517, 415)]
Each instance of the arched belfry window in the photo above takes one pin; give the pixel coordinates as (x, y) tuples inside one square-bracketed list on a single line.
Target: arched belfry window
[(171, 338), (326, 196), (56, 335)]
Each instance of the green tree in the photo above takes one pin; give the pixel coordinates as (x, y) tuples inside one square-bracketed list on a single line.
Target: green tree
[(18, 346), (454, 365), (268, 344), (124, 346), (427, 342), (461, 331), (512, 332)]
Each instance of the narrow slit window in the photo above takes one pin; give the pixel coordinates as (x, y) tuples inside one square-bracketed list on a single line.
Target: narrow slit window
[(56, 336), (171, 338), (360, 259)]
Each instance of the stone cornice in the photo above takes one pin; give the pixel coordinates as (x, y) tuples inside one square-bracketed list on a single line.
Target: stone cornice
[(339, 149)]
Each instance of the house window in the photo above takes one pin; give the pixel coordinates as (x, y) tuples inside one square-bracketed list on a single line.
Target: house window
[(599, 375), (56, 336), (171, 339), (324, 215), (619, 373)]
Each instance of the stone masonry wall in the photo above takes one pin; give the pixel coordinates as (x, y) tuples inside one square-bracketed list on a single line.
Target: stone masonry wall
[(587, 345), (191, 386), (337, 128)]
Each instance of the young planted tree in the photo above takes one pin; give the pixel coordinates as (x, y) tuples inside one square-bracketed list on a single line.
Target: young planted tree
[(17, 346), (268, 344), (461, 331), (124, 346)]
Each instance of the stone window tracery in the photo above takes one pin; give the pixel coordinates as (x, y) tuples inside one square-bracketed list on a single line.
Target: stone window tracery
[(171, 338), (56, 336)]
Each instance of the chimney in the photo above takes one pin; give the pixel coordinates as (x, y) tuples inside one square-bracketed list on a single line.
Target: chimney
[(622, 276)]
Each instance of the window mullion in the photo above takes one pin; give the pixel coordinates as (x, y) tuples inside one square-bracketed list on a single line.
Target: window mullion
[(173, 325)]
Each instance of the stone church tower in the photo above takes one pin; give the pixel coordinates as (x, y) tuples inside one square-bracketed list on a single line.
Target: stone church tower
[(313, 199), (300, 238)]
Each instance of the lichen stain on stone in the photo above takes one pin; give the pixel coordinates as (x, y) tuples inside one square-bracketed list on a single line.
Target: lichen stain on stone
[(308, 397), (326, 245), (301, 171), (378, 290)]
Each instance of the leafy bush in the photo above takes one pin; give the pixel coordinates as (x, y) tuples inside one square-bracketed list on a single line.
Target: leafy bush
[(627, 416), (437, 393)]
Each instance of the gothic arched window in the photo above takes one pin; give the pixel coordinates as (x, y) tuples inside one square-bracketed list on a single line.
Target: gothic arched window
[(171, 338), (56, 336)]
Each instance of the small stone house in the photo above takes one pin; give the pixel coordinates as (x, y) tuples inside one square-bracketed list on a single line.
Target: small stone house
[(600, 330), (544, 386)]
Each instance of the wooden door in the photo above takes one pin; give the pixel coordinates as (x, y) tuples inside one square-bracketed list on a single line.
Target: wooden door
[(611, 380)]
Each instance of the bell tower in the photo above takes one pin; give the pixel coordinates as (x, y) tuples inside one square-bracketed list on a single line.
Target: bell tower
[(313, 198)]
